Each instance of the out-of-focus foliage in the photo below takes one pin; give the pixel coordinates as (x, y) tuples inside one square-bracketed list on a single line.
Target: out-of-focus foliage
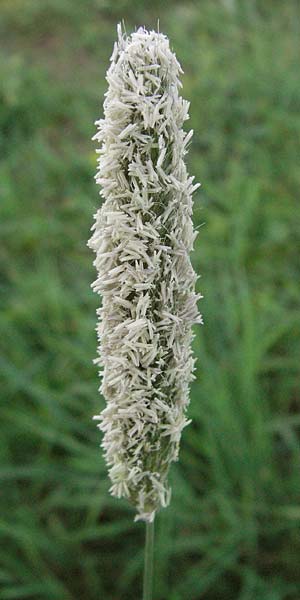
[(232, 530)]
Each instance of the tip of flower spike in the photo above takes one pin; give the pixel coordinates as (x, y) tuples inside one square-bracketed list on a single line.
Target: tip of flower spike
[(119, 32)]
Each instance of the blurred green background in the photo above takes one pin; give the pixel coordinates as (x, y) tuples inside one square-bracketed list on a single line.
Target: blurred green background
[(232, 530)]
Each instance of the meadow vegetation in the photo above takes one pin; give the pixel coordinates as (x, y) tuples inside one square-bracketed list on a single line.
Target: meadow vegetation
[(232, 529)]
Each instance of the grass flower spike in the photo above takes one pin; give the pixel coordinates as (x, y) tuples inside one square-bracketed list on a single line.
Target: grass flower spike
[(142, 237)]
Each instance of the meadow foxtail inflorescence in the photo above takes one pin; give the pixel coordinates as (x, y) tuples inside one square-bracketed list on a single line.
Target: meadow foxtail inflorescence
[(142, 237)]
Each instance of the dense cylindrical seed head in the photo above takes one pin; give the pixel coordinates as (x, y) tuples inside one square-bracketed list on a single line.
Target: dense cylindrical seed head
[(142, 236)]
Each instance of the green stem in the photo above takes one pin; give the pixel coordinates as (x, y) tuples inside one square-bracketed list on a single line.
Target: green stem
[(148, 566)]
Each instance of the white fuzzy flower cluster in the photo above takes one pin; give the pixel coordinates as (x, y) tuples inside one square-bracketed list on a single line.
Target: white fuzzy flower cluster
[(142, 236)]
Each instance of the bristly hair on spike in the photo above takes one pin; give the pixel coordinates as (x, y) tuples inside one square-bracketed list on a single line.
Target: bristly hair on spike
[(142, 236)]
